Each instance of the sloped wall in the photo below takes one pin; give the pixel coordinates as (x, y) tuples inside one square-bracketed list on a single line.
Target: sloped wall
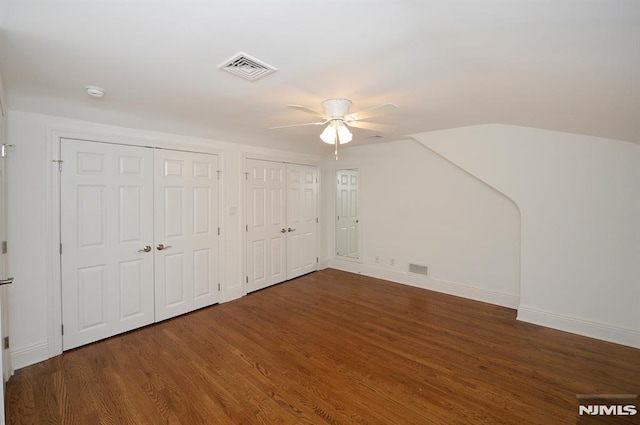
[(579, 199), (418, 207)]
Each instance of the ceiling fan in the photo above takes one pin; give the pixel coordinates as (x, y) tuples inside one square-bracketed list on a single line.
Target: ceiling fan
[(337, 117)]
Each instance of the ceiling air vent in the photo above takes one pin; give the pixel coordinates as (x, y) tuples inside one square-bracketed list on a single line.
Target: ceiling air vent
[(247, 67)]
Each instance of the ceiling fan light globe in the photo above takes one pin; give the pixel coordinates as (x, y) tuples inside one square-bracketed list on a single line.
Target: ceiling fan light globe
[(328, 135), (344, 135)]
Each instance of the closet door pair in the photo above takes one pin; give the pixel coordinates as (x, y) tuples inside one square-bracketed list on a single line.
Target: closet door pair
[(281, 222), (139, 237)]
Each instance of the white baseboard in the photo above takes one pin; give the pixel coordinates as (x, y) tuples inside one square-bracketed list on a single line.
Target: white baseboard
[(26, 356), (323, 264), (596, 330), (451, 288)]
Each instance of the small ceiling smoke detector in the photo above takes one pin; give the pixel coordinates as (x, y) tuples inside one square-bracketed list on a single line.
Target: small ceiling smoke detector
[(94, 91), (247, 67)]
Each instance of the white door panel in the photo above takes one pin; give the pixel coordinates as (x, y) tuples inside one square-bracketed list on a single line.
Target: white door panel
[(348, 215), (301, 219), (106, 222), (265, 194), (186, 225), (5, 354)]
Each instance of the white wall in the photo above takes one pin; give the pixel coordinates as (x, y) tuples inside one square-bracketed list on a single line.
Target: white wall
[(579, 198), (418, 207), (31, 257)]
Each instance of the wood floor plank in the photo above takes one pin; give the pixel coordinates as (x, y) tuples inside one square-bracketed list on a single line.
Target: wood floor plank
[(327, 348)]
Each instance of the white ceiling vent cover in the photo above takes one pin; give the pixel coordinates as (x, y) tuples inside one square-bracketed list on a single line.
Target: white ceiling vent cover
[(247, 67)]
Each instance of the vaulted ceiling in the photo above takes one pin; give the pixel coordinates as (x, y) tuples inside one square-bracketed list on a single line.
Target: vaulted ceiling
[(566, 65)]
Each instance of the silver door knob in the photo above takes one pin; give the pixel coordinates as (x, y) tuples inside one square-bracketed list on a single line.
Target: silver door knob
[(283, 230), (160, 247), (145, 249), (291, 230), (6, 281)]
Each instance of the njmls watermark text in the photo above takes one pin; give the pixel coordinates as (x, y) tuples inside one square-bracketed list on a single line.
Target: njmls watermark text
[(607, 405)]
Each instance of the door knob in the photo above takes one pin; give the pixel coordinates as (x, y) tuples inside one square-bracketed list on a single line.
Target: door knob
[(283, 230), (291, 230), (160, 247), (6, 281), (145, 249)]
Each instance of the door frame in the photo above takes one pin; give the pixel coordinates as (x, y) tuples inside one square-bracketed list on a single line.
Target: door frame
[(53, 236), (286, 158)]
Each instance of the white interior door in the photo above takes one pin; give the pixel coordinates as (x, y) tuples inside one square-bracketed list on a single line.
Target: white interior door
[(265, 224), (106, 235), (302, 220), (186, 232), (348, 220), (5, 356)]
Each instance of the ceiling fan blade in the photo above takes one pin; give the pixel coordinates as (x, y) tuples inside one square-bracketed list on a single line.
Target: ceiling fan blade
[(372, 112), (308, 110), (298, 125), (384, 128)]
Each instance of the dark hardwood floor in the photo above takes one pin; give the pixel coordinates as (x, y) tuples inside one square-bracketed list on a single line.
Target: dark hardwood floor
[(328, 348)]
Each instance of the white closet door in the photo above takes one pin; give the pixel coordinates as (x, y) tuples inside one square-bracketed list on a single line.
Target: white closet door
[(5, 355), (266, 226), (302, 213), (106, 223), (347, 207), (186, 232)]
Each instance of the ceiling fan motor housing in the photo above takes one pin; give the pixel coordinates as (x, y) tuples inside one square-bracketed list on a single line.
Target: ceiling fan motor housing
[(336, 107)]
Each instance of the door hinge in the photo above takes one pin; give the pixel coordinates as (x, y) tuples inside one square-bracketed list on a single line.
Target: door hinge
[(218, 287), (62, 329), (4, 149), (246, 176), (317, 260), (61, 248), (219, 173), (60, 162), (4, 247), (316, 219), (6, 343), (218, 231), (246, 228), (246, 279)]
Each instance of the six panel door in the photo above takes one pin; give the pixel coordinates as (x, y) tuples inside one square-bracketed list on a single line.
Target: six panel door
[(186, 232), (302, 213), (266, 227), (106, 236), (347, 207)]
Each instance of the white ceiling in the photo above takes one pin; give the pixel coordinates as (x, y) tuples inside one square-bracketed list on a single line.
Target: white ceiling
[(566, 65)]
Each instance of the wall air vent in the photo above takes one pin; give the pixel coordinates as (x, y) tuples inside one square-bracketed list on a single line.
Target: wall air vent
[(247, 67), (418, 269)]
